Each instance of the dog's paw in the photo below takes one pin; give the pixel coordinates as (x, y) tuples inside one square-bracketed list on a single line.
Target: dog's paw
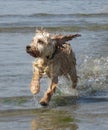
[(75, 93), (43, 103)]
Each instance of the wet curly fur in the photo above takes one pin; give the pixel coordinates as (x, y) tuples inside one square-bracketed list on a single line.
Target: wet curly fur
[(55, 58)]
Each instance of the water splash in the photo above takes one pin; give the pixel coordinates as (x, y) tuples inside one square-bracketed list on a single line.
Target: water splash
[(93, 73), (36, 101), (64, 86)]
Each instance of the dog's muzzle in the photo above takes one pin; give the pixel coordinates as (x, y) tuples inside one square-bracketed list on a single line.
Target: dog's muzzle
[(28, 47), (32, 51)]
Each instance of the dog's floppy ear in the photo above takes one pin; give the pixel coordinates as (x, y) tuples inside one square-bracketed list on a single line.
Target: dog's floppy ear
[(61, 39)]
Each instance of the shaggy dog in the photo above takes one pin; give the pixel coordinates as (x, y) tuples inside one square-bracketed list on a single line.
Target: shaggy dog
[(54, 58)]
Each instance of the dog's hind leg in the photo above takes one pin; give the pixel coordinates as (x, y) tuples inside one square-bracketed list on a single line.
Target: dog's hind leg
[(47, 96), (74, 79)]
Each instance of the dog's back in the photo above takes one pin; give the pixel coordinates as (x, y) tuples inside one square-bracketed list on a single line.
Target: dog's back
[(64, 60)]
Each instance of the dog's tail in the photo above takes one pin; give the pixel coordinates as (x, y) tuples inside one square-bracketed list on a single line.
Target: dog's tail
[(62, 39)]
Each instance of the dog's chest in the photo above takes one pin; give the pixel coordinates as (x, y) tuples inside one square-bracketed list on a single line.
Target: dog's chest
[(44, 68)]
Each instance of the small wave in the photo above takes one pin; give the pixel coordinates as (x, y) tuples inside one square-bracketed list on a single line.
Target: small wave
[(92, 15), (68, 15), (17, 29), (20, 102), (27, 15), (68, 28), (55, 15)]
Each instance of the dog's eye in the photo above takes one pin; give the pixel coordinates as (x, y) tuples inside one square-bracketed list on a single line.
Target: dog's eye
[(40, 41)]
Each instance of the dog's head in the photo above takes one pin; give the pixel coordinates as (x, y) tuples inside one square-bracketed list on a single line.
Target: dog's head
[(42, 45)]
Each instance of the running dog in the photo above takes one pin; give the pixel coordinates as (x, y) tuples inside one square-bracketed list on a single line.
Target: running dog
[(55, 58)]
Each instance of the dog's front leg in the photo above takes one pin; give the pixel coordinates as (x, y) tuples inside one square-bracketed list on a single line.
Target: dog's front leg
[(35, 83), (47, 96)]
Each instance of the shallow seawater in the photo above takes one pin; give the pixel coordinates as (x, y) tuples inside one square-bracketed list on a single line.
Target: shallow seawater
[(18, 22), (64, 112)]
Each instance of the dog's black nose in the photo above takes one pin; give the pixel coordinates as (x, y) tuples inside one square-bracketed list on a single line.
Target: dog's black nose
[(28, 47)]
